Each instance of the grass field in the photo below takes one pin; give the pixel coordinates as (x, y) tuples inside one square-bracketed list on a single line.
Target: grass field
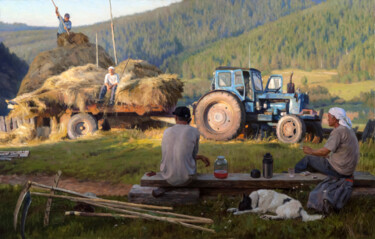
[(325, 78), (124, 156)]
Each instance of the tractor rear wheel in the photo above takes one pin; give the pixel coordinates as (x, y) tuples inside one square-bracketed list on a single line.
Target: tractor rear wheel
[(81, 124), (290, 129), (220, 115), (314, 132)]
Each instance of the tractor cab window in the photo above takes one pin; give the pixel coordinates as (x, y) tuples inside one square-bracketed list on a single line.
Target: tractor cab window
[(257, 77), (238, 82), (275, 83), (248, 85), (224, 79)]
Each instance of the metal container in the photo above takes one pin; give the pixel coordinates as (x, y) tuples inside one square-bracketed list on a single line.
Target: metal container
[(267, 166)]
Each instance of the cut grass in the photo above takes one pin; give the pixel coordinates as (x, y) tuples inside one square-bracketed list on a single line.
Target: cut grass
[(124, 156), (355, 220)]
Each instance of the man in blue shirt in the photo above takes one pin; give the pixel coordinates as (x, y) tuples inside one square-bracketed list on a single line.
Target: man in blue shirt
[(68, 24)]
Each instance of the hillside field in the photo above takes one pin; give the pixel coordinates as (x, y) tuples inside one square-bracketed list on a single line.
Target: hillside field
[(124, 156)]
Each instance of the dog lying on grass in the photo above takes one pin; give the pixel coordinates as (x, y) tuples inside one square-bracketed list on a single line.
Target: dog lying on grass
[(282, 205)]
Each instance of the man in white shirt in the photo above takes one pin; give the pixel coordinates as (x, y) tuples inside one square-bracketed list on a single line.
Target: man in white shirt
[(180, 146), (111, 81)]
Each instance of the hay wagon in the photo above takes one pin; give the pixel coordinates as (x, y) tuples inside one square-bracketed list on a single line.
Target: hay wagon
[(99, 116)]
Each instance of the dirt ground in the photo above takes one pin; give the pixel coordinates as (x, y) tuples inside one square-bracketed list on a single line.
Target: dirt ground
[(81, 186)]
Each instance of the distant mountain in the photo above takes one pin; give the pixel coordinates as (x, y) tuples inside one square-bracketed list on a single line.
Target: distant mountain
[(335, 34), (12, 70), (18, 27), (159, 35)]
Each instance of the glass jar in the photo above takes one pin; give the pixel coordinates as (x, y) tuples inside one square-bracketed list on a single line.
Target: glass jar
[(221, 167)]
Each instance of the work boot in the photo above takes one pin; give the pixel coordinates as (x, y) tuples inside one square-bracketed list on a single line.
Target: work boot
[(158, 192)]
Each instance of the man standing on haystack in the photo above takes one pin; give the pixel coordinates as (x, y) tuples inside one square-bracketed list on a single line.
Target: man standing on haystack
[(68, 24), (111, 81)]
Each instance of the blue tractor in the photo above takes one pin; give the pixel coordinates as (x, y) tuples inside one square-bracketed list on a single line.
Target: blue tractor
[(238, 100)]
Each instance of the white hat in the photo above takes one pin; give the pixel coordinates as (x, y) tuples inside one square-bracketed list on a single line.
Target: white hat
[(340, 115), (111, 67)]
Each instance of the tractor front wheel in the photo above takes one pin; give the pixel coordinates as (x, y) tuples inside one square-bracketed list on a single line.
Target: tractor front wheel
[(81, 124), (220, 115), (290, 129)]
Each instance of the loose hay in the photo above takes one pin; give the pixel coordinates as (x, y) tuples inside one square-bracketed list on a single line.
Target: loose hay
[(72, 39), (80, 86), (55, 61), (22, 134), (164, 90)]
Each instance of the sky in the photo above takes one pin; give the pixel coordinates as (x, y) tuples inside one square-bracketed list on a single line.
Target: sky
[(82, 12)]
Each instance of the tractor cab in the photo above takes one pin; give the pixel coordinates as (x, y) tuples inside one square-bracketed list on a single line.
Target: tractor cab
[(245, 83)]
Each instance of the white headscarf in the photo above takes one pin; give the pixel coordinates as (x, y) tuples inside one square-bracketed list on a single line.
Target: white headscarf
[(340, 115)]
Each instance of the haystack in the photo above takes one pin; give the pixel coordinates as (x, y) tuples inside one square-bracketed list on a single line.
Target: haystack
[(60, 59), (72, 39), (143, 85), (75, 87), (164, 90)]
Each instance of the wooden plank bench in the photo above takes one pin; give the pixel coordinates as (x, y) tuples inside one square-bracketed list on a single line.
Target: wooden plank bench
[(238, 183)]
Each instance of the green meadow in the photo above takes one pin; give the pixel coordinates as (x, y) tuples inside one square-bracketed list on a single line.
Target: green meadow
[(124, 156)]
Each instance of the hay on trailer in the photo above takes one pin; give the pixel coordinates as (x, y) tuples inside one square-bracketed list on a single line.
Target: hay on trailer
[(164, 90), (72, 39), (22, 134), (55, 61), (75, 87), (136, 69)]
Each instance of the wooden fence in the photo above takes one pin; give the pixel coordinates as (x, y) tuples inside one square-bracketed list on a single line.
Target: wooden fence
[(8, 124)]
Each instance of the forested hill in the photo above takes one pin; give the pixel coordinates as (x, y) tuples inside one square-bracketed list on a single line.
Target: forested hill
[(335, 34), (12, 70), (18, 27), (157, 35)]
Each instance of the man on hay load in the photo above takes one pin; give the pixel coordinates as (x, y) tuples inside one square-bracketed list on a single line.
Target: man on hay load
[(111, 81), (180, 146), (64, 24)]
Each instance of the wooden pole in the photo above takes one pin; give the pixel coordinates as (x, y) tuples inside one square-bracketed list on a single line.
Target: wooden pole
[(116, 215), (61, 18), (97, 52), (113, 33), (49, 201), (99, 200)]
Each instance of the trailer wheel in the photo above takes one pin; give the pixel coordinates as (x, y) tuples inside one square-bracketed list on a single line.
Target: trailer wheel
[(290, 129), (220, 115), (81, 124), (314, 132)]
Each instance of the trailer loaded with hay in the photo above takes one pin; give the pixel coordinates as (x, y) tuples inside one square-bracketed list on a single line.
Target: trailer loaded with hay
[(67, 103)]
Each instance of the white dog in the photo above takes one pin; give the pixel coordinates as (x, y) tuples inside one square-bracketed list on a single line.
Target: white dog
[(282, 205)]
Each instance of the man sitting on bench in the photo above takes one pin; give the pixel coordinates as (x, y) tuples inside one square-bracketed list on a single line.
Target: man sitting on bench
[(342, 144), (179, 152)]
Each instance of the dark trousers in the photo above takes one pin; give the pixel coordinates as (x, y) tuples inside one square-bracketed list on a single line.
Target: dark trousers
[(316, 164), (103, 91)]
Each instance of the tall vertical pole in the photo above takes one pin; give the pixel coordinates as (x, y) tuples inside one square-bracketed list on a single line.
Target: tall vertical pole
[(113, 33), (249, 56), (97, 51)]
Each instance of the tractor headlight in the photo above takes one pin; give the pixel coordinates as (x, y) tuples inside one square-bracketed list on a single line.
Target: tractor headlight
[(265, 105)]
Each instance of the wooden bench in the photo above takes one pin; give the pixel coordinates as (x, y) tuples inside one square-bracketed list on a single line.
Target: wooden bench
[(238, 183)]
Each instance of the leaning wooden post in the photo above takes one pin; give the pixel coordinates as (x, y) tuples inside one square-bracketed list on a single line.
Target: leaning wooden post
[(97, 52), (113, 33), (49, 201)]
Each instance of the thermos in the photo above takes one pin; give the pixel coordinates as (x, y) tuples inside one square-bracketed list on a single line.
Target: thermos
[(221, 167), (267, 166)]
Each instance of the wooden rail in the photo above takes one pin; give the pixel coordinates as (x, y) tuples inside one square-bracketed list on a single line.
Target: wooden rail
[(8, 124)]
